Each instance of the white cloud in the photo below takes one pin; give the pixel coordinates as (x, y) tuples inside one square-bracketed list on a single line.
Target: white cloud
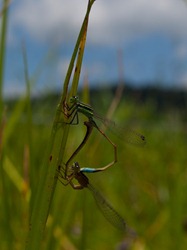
[(45, 18), (124, 19), (181, 51), (183, 81), (13, 89), (111, 22)]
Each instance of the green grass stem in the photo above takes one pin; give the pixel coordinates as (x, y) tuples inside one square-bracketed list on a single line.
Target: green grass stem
[(56, 150), (3, 49)]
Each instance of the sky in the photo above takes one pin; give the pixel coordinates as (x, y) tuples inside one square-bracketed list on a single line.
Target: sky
[(150, 36)]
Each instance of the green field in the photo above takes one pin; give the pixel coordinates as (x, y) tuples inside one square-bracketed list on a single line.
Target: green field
[(147, 185)]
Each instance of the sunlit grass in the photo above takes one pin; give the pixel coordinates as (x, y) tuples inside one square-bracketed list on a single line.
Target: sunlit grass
[(147, 186)]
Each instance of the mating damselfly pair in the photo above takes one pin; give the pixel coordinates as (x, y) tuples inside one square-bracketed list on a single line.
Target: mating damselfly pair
[(72, 115), (68, 172)]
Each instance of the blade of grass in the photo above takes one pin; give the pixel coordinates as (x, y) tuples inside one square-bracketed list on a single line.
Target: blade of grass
[(79, 44), (79, 60), (4, 7), (7, 236), (3, 49), (6, 233), (29, 119), (55, 153)]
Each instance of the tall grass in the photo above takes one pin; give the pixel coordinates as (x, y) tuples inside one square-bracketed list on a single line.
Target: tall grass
[(3, 32), (147, 186), (57, 146)]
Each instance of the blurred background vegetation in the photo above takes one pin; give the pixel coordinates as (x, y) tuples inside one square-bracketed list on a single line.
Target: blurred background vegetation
[(147, 185)]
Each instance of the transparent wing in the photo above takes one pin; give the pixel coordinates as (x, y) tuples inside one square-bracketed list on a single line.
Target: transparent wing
[(126, 134), (107, 210)]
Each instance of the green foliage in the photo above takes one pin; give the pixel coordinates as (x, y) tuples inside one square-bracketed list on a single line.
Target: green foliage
[(147, 185)]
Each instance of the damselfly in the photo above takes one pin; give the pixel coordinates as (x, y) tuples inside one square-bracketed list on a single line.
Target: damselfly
[(128, 135), (83, 182), (77, 107)]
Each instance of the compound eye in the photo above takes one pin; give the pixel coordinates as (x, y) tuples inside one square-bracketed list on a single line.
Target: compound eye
[(73, 99), (76, 165)]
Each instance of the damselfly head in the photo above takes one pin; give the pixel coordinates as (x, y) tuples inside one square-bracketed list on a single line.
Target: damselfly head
[(75, 167), (142, 137), (74, 99)]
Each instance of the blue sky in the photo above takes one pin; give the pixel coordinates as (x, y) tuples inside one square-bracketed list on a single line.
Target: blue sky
[(152, 36)]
